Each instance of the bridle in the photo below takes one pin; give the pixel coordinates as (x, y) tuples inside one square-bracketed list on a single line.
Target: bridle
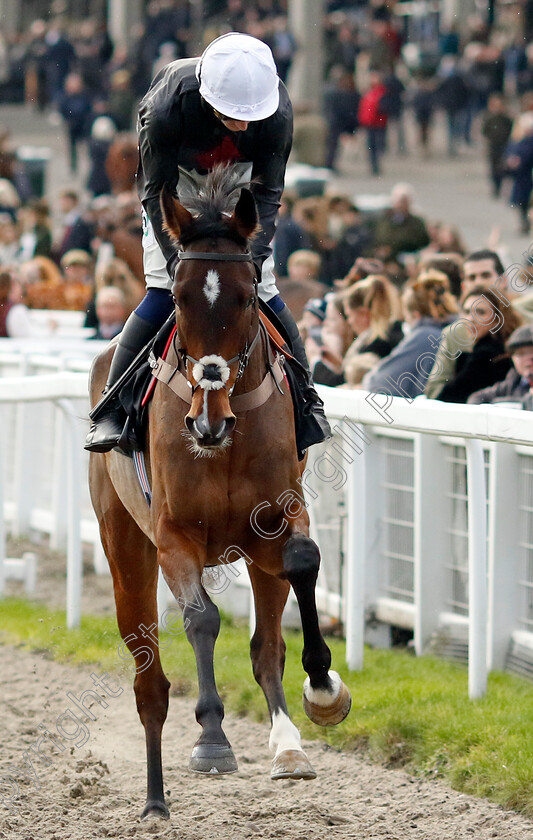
[(244, 356)]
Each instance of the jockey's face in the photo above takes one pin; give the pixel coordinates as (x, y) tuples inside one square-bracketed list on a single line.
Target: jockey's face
[(231, 124)]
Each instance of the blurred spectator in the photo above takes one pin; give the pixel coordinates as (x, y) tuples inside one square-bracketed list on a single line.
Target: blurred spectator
[(10, 247), (496, 129), (372, 309), (341, 103), (302, 281), (14, 318), (519, 163), (428, 305), (121, 100), (40, 226), (346, 49), (393, 105), (303, 265), (313, 315), (122, 160), (372, 118), (384, 44), (76, 232), (362, 267), (75, 107), (110, 312), (491, 324), (36, 78), (398, 231), (450, 264), (423, 101), (519, 379), (117, 274), (325, 350), (59, 59), (93, 48), (481, 268), (8, 156), (78, 287), (9, 199), (355, 241), (283, 45), (452, 95), (312, 216), (289, 236), (42, 283), (444, 238), (103, 133)]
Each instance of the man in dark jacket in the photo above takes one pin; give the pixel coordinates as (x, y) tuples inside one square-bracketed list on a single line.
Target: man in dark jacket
[(496, 129), (228, 107), (519, 379), (452, 95)]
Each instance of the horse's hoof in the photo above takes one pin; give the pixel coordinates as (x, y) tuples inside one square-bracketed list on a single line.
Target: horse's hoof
[(212, 759), (292, 764), (322, 712), (154, 809)]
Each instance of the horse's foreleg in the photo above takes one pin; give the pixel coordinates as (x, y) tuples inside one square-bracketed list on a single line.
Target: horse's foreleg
[(137, 621), (133, 563), (267, 650), (212, 753), (326, 699)]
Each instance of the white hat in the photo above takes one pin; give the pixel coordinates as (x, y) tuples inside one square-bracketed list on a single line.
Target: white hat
[(238, 77)]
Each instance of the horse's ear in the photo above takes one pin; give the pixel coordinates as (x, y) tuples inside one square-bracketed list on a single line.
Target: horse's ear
[(176, 217), (245, 214)]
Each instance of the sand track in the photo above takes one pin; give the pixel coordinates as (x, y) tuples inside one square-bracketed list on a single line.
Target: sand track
[(97, 789)]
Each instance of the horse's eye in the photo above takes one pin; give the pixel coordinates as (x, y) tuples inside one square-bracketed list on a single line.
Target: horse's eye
[(175, 301), (250, 301)]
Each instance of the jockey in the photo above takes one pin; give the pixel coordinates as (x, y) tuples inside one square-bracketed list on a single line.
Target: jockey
[(229, 106)]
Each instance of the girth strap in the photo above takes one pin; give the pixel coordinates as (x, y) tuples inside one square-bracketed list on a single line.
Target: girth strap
[(178, 383)]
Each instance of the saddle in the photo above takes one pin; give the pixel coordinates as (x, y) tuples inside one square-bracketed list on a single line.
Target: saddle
[(138, 389)]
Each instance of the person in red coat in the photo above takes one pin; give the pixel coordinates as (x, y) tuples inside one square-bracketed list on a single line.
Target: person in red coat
[(373, 118)]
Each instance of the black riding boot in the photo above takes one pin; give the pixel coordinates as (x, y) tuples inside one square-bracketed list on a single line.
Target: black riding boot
[(108, 416), (313, 426)]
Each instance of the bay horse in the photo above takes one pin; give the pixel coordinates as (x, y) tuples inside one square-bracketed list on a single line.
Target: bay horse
[(216, 455)]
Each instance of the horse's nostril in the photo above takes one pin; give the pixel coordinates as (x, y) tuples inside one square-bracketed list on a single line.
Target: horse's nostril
[(230, 424)]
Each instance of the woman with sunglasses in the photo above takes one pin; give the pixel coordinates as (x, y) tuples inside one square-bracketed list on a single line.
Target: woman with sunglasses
[(229, 106)]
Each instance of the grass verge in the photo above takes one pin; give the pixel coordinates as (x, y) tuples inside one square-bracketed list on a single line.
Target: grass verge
[(407, 712)]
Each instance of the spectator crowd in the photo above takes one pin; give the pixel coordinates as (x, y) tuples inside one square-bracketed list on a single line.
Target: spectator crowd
[(389, 301)]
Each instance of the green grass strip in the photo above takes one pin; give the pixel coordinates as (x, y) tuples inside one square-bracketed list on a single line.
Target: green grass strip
[(410, 712)]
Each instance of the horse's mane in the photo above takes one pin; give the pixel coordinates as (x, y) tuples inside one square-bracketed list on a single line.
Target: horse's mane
[(211, 203)]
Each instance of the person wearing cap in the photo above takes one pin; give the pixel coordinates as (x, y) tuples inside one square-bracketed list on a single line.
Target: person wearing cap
[(78, 288), (519, 379), (228, 106)]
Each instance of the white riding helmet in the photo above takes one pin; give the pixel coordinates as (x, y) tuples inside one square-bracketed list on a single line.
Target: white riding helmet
[(238, 77)]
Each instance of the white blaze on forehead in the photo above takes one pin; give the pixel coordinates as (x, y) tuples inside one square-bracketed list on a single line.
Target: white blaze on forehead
[(212, 287)]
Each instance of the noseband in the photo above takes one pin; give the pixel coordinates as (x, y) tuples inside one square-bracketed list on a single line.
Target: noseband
[(244, 356)]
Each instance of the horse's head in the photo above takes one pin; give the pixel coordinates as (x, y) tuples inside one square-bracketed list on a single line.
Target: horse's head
[(215, 293)]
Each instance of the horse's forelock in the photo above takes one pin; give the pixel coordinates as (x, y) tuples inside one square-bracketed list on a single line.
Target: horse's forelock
[(212, 205)]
